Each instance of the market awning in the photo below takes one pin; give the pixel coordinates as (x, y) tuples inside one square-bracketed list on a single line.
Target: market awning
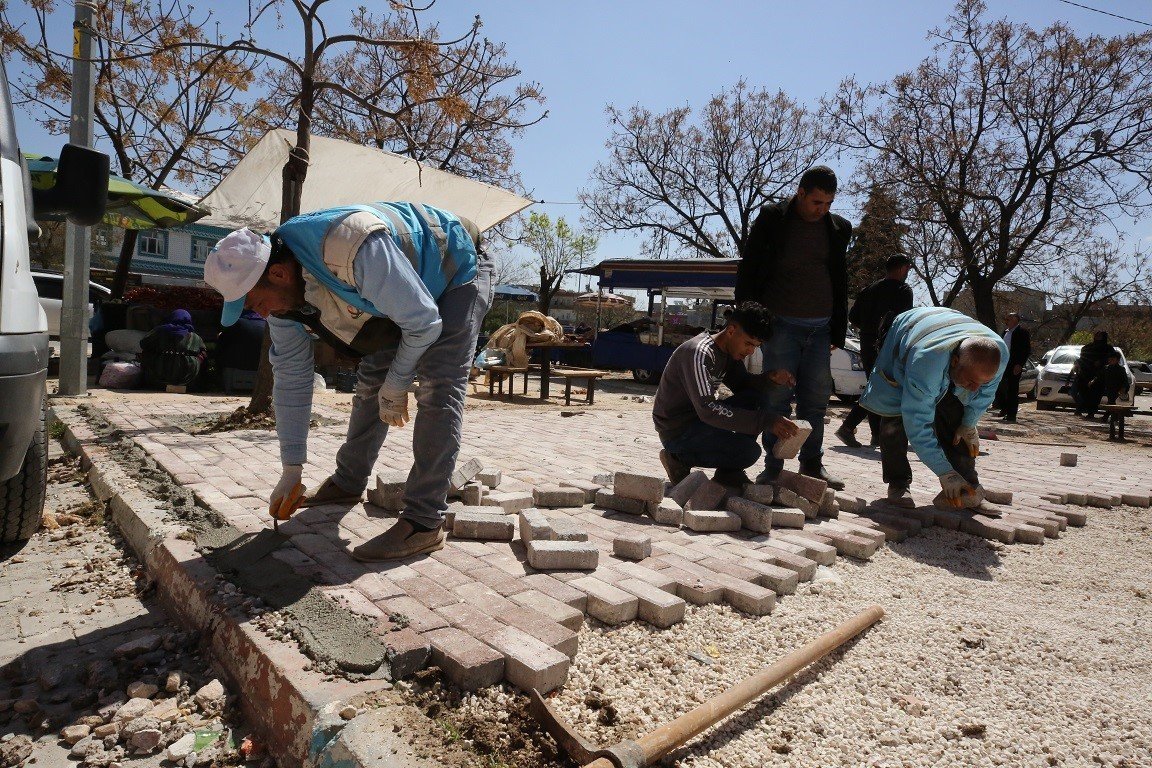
[(343, 173)]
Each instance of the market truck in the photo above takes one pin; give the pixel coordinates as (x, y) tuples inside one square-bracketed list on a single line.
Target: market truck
[(81, 192)]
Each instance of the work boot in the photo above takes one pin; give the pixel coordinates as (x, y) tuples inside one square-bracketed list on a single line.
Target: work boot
[(767, 477), (331, 493), (848, 436), (676, 469), (731, 478), (401, 540), (816, 469), (900, 496)]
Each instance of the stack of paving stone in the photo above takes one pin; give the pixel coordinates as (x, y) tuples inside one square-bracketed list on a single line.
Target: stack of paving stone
[(506, 598)]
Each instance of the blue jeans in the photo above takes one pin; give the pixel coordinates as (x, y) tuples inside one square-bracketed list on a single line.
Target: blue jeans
[(702, 445), (436, 428), (806, 353)]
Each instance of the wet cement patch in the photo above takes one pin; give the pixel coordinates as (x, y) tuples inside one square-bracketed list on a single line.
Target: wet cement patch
[(337, 640)]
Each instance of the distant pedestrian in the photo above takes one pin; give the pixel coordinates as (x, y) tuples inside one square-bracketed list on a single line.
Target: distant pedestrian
[(794, 265), (1019, 343), (872, 313), (1114, 378), (1086, 379)]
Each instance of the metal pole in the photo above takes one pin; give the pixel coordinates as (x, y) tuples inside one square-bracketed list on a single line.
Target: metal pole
[(77, 246)]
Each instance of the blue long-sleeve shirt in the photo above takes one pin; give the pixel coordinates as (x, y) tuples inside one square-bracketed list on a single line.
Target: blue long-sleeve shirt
[(384, 277), (912, 376)]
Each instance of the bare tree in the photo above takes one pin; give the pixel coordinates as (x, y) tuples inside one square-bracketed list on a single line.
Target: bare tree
[(1097, 275), (1016, 140), (559, 247), (695, 182), (166, 113)]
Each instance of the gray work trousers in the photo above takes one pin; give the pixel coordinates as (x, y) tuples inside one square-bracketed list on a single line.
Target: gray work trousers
[(436, 429)]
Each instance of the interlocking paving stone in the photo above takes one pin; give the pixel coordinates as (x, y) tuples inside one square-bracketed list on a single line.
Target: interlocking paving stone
[(649, 488), (667, 512), (469, 663), (606, 498), (788, 448), (563, 613), (632, 546), (753, 516), (557, 497), (483, 526), (607, 603), (682, 491), (562, 555), (810, 488), (711, 520), (656, 606)]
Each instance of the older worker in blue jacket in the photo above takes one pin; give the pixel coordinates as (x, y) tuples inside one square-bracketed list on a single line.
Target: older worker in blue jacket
[(935, 376), (403, 287)]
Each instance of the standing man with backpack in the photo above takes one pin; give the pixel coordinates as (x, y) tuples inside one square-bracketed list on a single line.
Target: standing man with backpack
[(875, 308)]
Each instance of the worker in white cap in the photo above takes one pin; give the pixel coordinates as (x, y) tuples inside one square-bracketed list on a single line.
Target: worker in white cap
[(404, 287)]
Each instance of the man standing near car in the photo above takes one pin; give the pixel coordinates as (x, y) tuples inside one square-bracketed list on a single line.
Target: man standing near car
[(794, 264), (1019, 343), (872, 313)]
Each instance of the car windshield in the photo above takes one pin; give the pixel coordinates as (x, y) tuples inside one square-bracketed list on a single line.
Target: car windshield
[(1064, 358)]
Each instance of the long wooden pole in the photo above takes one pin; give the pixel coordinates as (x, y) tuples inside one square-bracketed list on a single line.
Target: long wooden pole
[(667, 737)]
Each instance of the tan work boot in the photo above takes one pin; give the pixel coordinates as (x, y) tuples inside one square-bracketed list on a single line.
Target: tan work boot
[(676, 469), (330, 493), (900, 496), (401, 540)]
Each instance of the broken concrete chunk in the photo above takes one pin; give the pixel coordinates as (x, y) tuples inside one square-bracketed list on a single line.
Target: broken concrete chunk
[(632, 546), (787, 449), (643, 487), (609, 500), (667, 512), (389, 491), (472, 494), (557, 497), (563, 555), (604, 479)]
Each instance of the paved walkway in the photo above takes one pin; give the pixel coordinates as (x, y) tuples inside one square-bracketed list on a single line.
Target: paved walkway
[(422, 604)]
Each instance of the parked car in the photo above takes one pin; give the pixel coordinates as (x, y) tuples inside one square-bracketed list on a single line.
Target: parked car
[(50, 289), (1054, 380), (80, 194), (1142, 373), (848, 374), (1028, 379)]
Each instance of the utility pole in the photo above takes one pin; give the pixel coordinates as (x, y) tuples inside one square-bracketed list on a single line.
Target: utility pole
[(77, 246)]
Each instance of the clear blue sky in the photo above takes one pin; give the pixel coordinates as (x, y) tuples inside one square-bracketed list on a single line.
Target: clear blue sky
[(666, 53)]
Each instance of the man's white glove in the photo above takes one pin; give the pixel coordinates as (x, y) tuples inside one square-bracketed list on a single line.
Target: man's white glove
[(969, 436), (289, 479), (954, 485), (394, 407)]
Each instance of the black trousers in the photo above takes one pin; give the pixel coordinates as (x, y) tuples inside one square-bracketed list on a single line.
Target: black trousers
[(1008, 393), (894, 444), (868, 355)]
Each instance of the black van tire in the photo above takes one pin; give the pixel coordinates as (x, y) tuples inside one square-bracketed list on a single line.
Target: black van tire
[(646, 375), (22, 497)]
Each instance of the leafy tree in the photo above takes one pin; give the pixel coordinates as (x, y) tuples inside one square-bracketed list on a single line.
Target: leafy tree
[(559, 247), (1014, 141), (877, 237), (166, 114), (694, 182)]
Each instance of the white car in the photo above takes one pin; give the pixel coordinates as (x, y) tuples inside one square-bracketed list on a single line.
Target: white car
[(1054, 378), (1142, 372), (50, 289), (848, 374)]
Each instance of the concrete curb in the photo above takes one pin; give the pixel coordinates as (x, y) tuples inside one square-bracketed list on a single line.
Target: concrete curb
[(293, 709)]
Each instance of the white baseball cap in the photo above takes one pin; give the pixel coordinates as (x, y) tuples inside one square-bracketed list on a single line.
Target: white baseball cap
[(234, 267)]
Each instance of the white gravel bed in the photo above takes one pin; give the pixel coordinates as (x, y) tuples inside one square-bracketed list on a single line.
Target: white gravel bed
[(990, 655)]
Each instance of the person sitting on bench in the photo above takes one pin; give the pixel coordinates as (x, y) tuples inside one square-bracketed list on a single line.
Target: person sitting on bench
[(698, 425)]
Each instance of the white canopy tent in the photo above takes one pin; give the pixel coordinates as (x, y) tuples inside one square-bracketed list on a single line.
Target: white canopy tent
[(343, 173)]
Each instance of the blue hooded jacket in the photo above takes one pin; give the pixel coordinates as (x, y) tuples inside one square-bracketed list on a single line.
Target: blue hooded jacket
[(912, 376)]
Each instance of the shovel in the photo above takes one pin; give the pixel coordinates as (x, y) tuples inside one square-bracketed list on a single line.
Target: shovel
[(651, 747)]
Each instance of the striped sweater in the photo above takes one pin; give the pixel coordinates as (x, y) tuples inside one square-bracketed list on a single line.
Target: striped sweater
[(690, 390)]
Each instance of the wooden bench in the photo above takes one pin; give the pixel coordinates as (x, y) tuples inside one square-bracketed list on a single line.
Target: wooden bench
[(588, 375), (1116, 416), (498, 373)]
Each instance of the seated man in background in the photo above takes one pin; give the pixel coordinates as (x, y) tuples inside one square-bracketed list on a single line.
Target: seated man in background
[(172, 354), (238, 345), (935, 376), (701, 425)]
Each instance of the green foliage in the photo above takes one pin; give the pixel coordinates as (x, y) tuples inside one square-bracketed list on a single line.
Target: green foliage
[(560, 248), (878, 236)]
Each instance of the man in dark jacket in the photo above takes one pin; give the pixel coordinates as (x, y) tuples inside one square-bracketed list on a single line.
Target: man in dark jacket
[(872, 313), (1087, 382), (793, 264), (1019, 343)]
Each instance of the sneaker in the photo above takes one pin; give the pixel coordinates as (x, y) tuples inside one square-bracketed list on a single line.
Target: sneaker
[(676, 469), (900, 496), (401, 540), (848, 437), (818, 471), (330, 493), (731, 478), (767, 477)]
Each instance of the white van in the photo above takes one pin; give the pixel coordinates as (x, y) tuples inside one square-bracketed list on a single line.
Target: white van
[(81, 193), (1054, 378)]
